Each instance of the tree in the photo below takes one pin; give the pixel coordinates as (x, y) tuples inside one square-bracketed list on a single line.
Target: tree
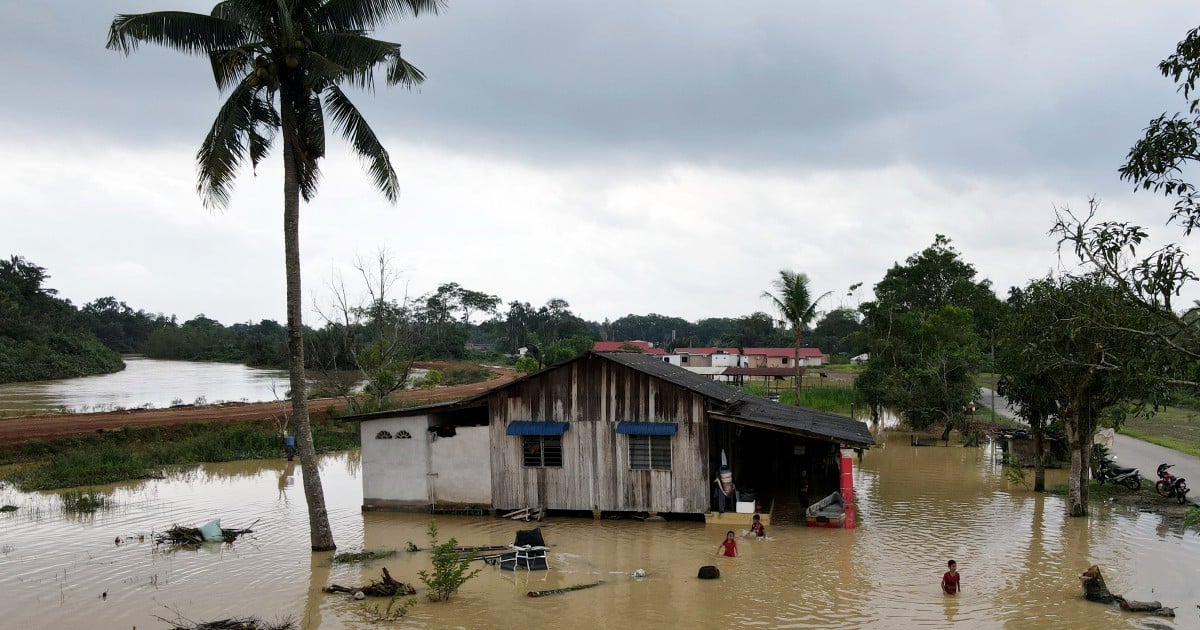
[(1061, 360), (284, 64), (375, 331), (796, 306), (834, 333), (1152, 280), (923, 333)]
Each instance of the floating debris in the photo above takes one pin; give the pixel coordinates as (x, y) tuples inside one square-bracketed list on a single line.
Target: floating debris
[(567, 589), (387, 587), (8, 508), (348, 557), (193, 537)]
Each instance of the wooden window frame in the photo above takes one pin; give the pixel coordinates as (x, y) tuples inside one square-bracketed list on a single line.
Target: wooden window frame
[(656, 449), (541, 451)]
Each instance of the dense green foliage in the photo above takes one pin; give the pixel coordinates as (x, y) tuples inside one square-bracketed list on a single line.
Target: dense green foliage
[(1061, 361), (43, 336), (138, 453), (925, 332)]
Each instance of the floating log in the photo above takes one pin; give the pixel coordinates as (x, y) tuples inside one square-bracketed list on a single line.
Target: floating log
[(387, 587), (567, 589), (1095, 590)]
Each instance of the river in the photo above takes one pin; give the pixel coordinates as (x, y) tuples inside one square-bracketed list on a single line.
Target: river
[(146, 382), (1018, 554)]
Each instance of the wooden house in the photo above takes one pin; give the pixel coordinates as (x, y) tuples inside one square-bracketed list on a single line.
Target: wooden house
[(604, 432)]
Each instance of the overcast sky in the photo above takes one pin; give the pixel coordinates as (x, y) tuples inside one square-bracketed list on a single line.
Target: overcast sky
[(627, 156)]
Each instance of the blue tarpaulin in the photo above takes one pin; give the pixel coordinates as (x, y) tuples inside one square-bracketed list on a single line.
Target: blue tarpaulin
[(647, 428), (529, 427)]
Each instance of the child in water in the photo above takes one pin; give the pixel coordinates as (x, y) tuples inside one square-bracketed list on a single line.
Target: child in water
[(728, 547), (757, 528), (950, 579)]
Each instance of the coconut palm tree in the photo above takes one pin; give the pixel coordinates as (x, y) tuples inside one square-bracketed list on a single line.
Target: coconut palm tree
[(794, 302), (284, 64)]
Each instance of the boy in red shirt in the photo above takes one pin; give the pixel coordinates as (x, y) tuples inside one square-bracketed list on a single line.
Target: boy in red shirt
[(950, 579)]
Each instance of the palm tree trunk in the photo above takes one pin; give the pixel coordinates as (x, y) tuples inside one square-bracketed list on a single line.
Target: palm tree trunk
[(796, 361), (318, 519)]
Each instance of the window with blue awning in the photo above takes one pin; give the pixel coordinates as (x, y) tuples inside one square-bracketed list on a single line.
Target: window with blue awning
[(647, 428), (530, 427)]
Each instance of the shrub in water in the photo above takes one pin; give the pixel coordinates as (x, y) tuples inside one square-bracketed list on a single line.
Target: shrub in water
[(450, 568)]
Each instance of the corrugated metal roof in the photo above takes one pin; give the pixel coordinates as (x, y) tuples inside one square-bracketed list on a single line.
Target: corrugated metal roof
[(673, 374), (799, 419), (531, 427), (647, 428)]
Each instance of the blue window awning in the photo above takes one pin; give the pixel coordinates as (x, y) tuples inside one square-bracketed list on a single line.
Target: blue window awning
[(647, 428), (529, 427)]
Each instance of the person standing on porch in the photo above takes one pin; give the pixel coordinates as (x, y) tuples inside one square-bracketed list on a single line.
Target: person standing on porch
[(803, 489)]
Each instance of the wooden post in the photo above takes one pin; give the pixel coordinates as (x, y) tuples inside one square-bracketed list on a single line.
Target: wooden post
[(596, 514), (847, 485)]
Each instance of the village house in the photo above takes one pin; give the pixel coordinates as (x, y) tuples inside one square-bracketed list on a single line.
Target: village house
[(628, 346), (604, 432)]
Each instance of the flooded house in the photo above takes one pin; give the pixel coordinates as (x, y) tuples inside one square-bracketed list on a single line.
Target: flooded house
[(604, 432)]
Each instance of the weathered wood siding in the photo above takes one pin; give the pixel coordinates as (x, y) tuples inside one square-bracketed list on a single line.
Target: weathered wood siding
[(592, 395)]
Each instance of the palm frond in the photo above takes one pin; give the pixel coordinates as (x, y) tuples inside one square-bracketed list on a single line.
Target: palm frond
[(356, 53), (192, 33), (253, 15), (231, 66), (400, 72), (342, 15), (320, 71), (224, 147), (347, 119), (310, 142)]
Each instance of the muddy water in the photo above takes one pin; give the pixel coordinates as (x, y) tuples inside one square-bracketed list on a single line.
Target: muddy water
[(146, 382), (918, 506)]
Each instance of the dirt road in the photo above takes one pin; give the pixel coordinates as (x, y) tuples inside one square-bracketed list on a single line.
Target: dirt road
[(65, 425)]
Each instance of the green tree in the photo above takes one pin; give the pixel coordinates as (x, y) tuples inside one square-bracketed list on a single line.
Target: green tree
[(1059, 359), (284, 64), (922, 331), (796, 305), (835, 332), (1159, 162)]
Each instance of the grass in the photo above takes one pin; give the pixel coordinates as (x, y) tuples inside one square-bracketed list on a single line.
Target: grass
[(1096, 491), (1173, 427), (143, 452), (84, 502), (987, 379), (832, 398)]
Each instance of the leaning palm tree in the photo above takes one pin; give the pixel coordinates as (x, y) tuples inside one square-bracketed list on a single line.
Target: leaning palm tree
[(796, 306), (284, 63)]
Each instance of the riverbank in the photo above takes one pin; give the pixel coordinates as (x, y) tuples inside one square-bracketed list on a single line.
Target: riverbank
[(59, 425)]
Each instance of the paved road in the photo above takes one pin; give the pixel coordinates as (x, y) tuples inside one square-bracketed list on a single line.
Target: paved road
[(987, 398), (1129, 451), (1146, 457)]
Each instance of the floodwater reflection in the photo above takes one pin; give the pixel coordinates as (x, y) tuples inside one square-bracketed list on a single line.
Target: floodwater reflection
[(1018, 554)]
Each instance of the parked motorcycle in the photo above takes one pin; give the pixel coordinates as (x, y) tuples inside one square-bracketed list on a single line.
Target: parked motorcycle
[(1128, 477), (1169, 485)]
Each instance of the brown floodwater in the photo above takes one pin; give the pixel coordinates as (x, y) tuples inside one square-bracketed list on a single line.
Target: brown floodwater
[(146, 383), (1018, 554)]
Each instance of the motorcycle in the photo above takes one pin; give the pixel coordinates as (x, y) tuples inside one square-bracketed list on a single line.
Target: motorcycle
[(1128, 477), (1169, 485)]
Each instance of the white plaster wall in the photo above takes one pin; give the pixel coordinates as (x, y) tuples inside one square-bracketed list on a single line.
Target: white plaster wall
[(396, 469), (463, 467), (726, 360)]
